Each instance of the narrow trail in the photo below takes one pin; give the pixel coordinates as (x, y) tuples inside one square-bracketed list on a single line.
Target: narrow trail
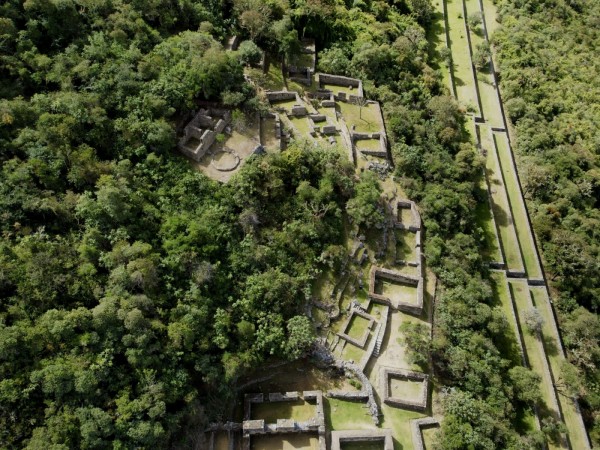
[(520, 262)]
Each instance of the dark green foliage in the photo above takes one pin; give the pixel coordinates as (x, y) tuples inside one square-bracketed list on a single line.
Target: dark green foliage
[(546, 52)]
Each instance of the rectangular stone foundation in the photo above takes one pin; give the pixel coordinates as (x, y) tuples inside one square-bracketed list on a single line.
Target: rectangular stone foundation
[(384, 436)]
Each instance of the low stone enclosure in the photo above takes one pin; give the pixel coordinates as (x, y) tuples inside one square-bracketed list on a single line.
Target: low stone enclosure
[(315, 424), (415, 223), (389, 374), (381, 152), (379, 273), (416, 428), (346, 82), (201, 132), (382, 435), (354, 314)]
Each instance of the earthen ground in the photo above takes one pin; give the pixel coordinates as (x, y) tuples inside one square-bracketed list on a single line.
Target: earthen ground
[(299, 410), (299, 441)]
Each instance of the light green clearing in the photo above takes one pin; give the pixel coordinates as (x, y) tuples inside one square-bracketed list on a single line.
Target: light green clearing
[(362, 445), (358, 327), (346, 415), (299, 410), (405, 245), (500, 206), (463, 76), (429, 436), (436, 35), (284, 104), (396, 291), (291, 441), (485, 220), (353, 353), (535, 357), (301, 124), (399, 421), (489, 97), (518, 208), (405, 216), (490, 16), (368, 144), (367, 121), (405, 389), (512, 349), (570, 414)]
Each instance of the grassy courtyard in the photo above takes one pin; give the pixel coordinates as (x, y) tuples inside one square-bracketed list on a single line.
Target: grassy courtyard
[(518, 210), (298, 410)]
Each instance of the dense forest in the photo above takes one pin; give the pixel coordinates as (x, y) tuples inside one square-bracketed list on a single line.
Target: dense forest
[(134, 291), (549, 67)]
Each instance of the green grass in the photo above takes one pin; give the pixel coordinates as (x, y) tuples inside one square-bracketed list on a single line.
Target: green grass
[(485, 220), (299, 410), (535, 354), (346, 415), (368, 144), (358, 327), (405, 245), (519, 213), (509, 343), (576, 434), (302, 125), (463, 77), (353, 353), (500, 206), (399, 421), (368, 120), (491, 13), (429, 436), (436, 36), (489, 99), (405, 389)]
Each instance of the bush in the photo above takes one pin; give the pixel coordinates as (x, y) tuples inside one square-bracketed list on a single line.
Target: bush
[(249, 54)]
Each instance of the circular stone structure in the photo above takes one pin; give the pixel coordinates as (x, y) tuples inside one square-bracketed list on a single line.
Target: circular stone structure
[(225, 160)]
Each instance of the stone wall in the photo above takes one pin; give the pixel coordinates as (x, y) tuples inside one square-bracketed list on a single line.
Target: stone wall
[(204, 128), (379, 272), (275, 96), (338, 80), (284, 424), (413, 405), (383, 435), (415, 224), (363, 340), (416, 427)]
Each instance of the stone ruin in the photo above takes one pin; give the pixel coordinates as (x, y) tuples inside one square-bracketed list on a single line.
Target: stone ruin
[(379, 153), (366, 393), (315, 424), (201, 132), (363, 339), (337, 80), (382, 435), (416, 429), (415, 224), (398, 277), (387, 374)]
